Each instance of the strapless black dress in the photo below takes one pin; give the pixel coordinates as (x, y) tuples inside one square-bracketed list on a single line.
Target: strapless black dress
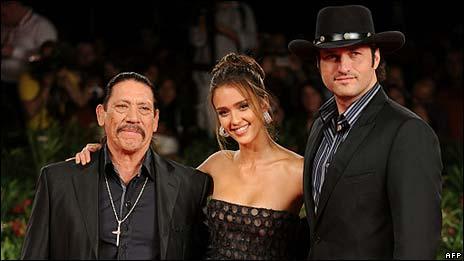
[(243, 232)]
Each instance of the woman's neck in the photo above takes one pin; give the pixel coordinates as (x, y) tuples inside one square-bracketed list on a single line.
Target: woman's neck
[(256, 151)]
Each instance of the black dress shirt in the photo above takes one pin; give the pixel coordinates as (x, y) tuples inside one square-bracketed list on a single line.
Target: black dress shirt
[(139, 238)]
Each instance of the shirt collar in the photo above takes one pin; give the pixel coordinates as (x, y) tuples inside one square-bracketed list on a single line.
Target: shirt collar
[(146, 165), (329, 111)]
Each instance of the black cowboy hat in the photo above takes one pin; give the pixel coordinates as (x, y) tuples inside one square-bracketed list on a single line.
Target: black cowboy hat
[(342, 26)]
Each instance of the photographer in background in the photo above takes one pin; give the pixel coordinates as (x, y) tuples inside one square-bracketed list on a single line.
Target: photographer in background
[(50, 90), (22, 31)]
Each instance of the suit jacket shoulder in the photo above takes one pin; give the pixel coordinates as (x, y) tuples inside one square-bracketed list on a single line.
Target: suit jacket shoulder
[(64, 172), (394, 114), (57, 170), (183, 172)]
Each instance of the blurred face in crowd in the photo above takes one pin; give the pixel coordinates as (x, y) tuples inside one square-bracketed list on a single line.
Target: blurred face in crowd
[(396, 95), (268, 64), (85, 54), (236, 114), (130, 117), (167, 91), (152, 73), (348, 72), (423, 91), (395, 76), (311, 98)]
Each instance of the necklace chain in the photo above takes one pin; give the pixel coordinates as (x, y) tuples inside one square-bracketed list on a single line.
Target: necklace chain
[(133, 206)]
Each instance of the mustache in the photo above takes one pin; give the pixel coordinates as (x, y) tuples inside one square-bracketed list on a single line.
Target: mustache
[(131, 127), (345, 75)]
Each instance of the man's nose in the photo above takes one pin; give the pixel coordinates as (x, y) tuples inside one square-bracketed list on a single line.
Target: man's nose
[(344, 64), (132, 114)]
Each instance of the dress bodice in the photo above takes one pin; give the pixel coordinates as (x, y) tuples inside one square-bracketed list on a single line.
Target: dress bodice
[(243, 232)]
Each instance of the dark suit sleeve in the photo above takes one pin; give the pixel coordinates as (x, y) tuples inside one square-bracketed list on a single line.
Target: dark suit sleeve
[(36, 241), (201, 239), (300, 248), (414, 191)]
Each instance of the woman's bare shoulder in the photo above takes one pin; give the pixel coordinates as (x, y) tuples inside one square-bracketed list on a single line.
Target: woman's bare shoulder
[(216, 160), (294, 162)]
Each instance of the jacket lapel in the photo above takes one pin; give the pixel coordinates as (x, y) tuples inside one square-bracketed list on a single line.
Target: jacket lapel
[(312, 145), (167, 189), (85, 184), (347, 149)]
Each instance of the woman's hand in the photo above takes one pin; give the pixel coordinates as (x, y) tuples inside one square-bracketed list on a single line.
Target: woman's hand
[(83, 157)]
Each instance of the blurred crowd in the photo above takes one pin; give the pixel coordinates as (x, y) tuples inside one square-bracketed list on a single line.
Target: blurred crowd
[(46, 79)]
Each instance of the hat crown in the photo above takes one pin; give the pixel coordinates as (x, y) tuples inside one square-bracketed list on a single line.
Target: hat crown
[(344, 26), (343, 19)]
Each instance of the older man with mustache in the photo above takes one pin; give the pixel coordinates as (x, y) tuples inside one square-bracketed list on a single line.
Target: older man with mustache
[(128, 202)]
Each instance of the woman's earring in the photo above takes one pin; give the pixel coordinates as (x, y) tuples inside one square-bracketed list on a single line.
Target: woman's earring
[(267, 117), (223, 132)]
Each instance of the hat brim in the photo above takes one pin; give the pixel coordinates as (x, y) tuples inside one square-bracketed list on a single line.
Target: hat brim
[(388, 42)]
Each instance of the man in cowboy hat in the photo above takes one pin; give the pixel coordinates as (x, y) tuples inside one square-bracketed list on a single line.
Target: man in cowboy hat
[(372, 175)]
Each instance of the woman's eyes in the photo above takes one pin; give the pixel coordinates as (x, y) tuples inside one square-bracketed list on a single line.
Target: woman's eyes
[(222, 113), (244, 106), (241, 107)]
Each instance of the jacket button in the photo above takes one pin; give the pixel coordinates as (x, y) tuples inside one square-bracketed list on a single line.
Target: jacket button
[(317, 240)]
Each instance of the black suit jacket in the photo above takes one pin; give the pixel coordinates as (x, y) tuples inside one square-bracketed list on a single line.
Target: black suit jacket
[(381, 194), (64, 218)]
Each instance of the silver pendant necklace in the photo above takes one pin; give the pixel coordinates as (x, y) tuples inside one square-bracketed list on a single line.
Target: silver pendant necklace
[(118, 231)]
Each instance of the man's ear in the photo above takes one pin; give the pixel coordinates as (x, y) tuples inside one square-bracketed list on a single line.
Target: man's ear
[(155, 122), (101, 115), (376, 58)]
